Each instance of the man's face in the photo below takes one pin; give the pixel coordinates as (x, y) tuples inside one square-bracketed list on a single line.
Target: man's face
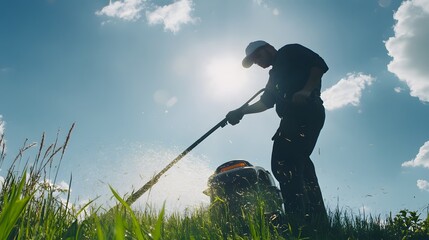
[(262, 57)]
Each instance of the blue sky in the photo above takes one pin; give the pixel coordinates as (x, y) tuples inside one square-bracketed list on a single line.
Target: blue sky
[(143, 80)]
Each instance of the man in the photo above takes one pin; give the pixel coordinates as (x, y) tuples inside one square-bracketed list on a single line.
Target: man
[(294, 88)]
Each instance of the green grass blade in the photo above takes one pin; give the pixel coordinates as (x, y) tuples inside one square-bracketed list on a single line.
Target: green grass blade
[(100, 235), (84, 207), (119, 227), (136, 225), (13, 208), (156, 233)]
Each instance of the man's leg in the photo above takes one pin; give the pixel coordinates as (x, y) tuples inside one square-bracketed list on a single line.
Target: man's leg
[(291, 163), (288, 170), (315, 206)]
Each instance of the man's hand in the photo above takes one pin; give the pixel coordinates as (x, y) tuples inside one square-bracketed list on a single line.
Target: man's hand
[(301, 97), (234, 117)]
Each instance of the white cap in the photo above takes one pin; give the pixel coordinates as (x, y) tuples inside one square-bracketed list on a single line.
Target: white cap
[(250, 49)]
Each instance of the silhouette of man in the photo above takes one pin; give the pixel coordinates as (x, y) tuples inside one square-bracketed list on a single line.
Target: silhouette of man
[(294, 88)]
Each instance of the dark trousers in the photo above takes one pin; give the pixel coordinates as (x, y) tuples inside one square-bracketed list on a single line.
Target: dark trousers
[(293, 144)]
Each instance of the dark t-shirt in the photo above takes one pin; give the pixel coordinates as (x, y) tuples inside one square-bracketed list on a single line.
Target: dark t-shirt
[(289, 74)]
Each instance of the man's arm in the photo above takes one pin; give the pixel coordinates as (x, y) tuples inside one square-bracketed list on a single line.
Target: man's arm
[(257, 107), (236, 115), (314, 78)]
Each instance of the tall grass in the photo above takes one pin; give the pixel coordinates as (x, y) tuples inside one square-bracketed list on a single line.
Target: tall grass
[(32, 207)]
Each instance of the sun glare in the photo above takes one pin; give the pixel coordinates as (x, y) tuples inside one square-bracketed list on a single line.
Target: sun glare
[(225, 77)]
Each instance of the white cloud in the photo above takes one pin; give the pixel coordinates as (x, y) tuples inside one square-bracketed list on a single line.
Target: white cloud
[(3, 148), (423, 185), (60, 187), (421, 159), (173, 15), (128, 10), (347, 91), (408, 47), (1, 182), (1, 125)]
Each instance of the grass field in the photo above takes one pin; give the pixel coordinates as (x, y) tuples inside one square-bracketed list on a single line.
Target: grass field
[(31, 208)]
